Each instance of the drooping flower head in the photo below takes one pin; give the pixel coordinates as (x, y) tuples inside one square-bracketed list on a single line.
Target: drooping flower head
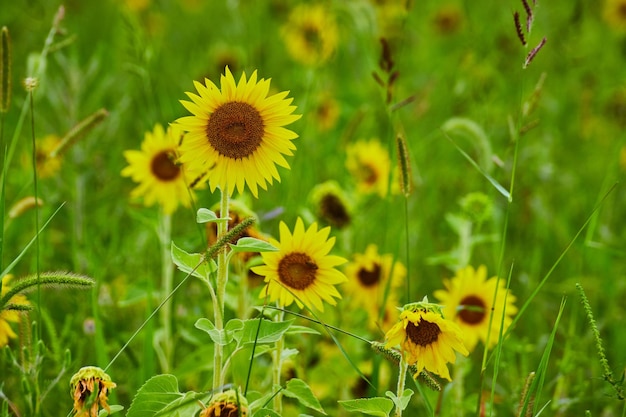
[(369, 276), (426, 339), (90, 388), (469, 301), (370, 165), (229, 403), (311, 34), (8, 315), (236, 134), (162, 180), (302, 269)]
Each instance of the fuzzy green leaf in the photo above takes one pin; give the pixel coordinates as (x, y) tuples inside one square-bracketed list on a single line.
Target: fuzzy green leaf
[(156, 395), (250, 244), (112, 410), (193, 263), (270, 331), (205, 215), (266, 412), (298, 389), (376, 406), (220, 337), (296, 329), (403, 401)]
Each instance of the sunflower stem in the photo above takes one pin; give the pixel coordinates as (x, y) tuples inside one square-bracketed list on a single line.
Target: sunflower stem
[(277, 362), (403, 365), (222, 279), (167, 280)]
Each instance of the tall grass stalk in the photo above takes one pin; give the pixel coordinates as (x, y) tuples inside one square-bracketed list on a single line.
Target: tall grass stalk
[(222, 279), (167, 285)]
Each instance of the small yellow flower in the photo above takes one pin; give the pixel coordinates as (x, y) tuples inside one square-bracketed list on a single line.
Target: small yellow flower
[(9, 316), (90, 388), (236, 134), (469, 301), (302, 269), (331, 205), (426, 339), (311, 34), (161, 178), (47, 164), (368, 280), (370, 165)]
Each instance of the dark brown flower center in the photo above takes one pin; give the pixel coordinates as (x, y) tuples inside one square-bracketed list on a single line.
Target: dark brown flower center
[(368, 174), (334, 211), (371, 277), (163, 166), (222, 409), (297, 270), (424, 333), (235, 130), (472, 310)]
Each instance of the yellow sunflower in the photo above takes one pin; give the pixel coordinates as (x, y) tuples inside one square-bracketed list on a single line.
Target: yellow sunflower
[(47, 165), (302, 269), (311, 34), (161, 179), (330, 204), (236, 134), (368, 278), (369, 163), (426, 339), (469, 300), (9, 316)]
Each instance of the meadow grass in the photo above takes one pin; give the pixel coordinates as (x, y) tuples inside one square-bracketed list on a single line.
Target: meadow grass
[(543, 145)]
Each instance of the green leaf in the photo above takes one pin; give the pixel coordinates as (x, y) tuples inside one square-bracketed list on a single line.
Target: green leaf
[(266, 412), (193, 263), (403, 401), (296, 329), (220, 337), (270, 331), (205, 215), (298, 389), (376, 406), (250, 244), (113, 409), (155, 395)]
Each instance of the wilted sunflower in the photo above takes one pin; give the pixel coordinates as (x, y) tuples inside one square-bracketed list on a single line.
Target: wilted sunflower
[(229, 403), (368, 279), (161, 178), (426, 339), (302, 268), (90, 388), (311, 34), (370, 165), (236, 134), (8, 316), (469, 300)]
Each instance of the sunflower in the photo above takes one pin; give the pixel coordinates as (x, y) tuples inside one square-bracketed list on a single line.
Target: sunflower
[(311, 34), (236, 134), (90, 388), (9, 316), (330, 204), (369, 163), (368, 279), (469, 298), (161, 179), (426, 339), (47, 165), (302, 270)]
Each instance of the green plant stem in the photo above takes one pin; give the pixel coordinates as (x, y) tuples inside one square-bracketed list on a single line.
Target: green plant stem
[(401, 380), (167, 284), (277, 367), (222, 279)]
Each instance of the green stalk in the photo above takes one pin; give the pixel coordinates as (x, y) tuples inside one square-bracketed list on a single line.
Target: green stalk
[(277, 367), (401, 380), (222, 279), (167, 284)]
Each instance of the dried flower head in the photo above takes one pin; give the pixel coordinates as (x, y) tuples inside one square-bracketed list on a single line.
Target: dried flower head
[(90, 388)]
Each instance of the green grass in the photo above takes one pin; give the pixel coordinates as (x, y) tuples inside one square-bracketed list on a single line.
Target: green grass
[(563, 224)]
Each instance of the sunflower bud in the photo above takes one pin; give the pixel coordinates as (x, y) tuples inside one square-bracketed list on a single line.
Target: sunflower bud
[(90, 387)]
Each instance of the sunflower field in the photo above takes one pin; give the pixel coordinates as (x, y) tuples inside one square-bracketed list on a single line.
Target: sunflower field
[(312, 208)]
